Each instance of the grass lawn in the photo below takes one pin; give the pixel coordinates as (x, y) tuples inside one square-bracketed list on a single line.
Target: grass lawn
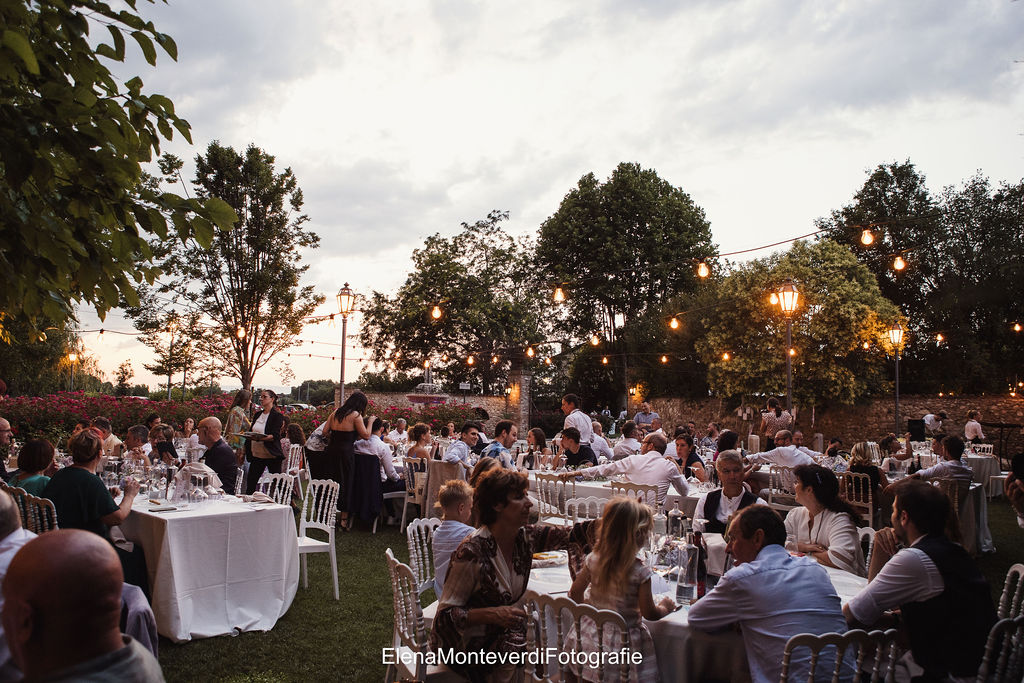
[(323, 639)]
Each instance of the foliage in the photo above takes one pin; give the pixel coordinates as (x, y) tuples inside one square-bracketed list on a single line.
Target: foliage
[(74, 218), (433, 415), (123, 374), (384, 380), (840, 309), (486, 284), (247, 281), (319, 391), (41, 366)]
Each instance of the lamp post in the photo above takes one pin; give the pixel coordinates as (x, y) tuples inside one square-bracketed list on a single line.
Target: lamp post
[(346, 302), (72, 357), (788, 298), (896, 337), (170, 356)]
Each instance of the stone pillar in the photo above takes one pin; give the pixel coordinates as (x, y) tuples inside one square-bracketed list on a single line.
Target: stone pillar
[(518, 399)]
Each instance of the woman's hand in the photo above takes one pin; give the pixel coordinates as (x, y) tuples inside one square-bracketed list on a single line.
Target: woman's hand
[(667, 605), (507, 616), (810, 548)]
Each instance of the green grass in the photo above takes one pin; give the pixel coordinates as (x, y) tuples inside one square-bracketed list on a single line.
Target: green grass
[(323, 639)]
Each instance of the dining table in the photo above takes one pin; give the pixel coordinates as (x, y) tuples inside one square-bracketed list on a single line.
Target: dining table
[(602, 488), (216, 568)]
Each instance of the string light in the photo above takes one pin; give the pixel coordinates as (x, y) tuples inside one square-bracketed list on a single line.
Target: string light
[(530, 352), (898, 263), (240, 332), (773, 299), (494, 360), (792, 351), (725, 356), (604, 360), (664, 359), (703, 270), (867, 346), (559, 296), (867, 238), (426, 364), (939, 338), (444, 357), (547, 361), (595, 340), (436, 312), (1016, 327), (470, 360), (674, 323)]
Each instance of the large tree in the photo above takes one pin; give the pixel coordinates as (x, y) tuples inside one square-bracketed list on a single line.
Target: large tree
[(485, 283), (74, 217), (246, 284)]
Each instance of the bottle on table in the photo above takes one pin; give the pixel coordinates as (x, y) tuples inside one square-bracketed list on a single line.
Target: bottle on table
[(686, 576), (676, 522), (703, 580)]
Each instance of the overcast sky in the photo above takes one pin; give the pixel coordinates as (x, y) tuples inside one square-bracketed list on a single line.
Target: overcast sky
[(401, 119)]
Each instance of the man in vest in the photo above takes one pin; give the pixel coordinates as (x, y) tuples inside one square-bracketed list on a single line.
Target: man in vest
[(716, 507), (944, 601)]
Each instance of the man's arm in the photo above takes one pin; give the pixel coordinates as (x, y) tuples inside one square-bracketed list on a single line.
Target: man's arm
[(718, 608)]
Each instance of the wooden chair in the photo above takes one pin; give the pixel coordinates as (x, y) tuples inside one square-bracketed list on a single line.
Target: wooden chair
[(856, 489), (550, 620), (578, 509), (279, 487), (877, 648), (1004, 652), (552, 492), (645, 493), (319, 509), (781, 491), (415, 485), (420, 536), (409, 635), (1013, 593), (41, 515), (18, 494)]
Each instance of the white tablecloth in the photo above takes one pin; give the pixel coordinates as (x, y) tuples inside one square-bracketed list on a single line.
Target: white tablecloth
[(602, 489), (222, 568), (984, 467), (977, 538)]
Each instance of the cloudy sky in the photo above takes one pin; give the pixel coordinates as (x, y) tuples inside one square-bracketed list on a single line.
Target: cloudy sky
[(401, 119)]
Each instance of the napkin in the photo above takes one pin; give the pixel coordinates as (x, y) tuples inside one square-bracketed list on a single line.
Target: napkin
[(117, 537), (258, 497), (197, 469)]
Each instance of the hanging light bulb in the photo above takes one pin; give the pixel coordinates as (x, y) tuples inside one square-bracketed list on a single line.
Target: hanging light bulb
[(773, 299), (426, 364), (444, 357), (664, 359), (725, 356), (792, 351), (547, 361), (674, 323), (391, 365), (240, 332), (470, 360), (898, 263), (530, 352), (604, 360), (1016, 327), (703, 270), (939, 338), (494, 360), (867, 346), (436, 312), (867, 238), (559, 295), (595, 340)]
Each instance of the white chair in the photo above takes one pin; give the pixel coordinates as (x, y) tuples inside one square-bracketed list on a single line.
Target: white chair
[(781, 491), (577, 509), (877, 649), (420, 535), (866, 533), (984, 449), (402, 495), (279, 487), (41, 515), (1013, 592), (238, 481), (319, 509), (552, 492), (294, 467), (645, 493), (415, 485), (1004, 652), (409, 634), (856, 488)]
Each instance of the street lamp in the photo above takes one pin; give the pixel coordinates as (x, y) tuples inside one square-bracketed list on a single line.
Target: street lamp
[(346, 302), (72, 357), (789, 296), (896, 337)]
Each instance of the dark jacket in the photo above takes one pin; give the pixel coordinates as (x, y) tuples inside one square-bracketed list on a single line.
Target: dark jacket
[(584, 456), (220, 457), (275, 421)]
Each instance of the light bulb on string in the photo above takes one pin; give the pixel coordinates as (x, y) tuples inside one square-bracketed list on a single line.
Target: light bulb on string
[(939, 338), (426, 364), (726, 356), (530, 352), (547, 361), (898, 263), (494, 360), (773, 299), (436, 312), (1016, 327), (604, 360), (792, 351), (703, 270), (664, 359), (444, 357), (867, 346), (240, 332), (867, 238), (595, 340), (674, 323), (470, 360), (559, 295)]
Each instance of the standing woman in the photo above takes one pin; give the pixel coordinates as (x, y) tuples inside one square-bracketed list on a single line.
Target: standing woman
[(264, 452), (345, 426), (774, 420), (238, 422)]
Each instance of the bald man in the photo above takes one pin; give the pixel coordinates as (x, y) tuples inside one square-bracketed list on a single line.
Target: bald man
[(62, 612), (5, 432), (12, 537), (219, 456)]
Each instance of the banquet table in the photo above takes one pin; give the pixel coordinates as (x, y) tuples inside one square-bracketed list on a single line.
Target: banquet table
[(217, 569), (602, 489), (984, 467), (977, 538)]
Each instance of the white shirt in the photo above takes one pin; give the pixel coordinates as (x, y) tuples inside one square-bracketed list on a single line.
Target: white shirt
[(374, 446), (932, 423), (626, 448), (909, 576), (647, 468), (785, 456), (459, 452), (951, 469), (581, 422), (726, 508), (808, 451), (8, 549), (834, 530), (260, 425), (972, 431), (446, 540), (399, 437), (601, 447)]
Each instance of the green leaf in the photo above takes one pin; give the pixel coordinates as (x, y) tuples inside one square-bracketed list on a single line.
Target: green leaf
[(147, 46), (168, 44), (203, 230), (184, 129), (118, 38), (18, 44), (221, 213)]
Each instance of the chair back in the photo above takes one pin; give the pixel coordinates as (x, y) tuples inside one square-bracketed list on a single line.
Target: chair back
[(279, 487), (420, 536), (551, 619), (1004, 652), (18, 494), (294, 460), (41, 515), (856, 489), (866, 537), (1013, 592), (238, 481), (552, 492), (984, 449), (415, 479), (319, 506), (876, 649), (409, 631), (578, 509), (645, 493), (781, 490)]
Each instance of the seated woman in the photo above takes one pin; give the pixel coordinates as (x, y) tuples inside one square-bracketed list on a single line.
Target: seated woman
[(860, 463), (716, 507), (419, 441), (481, 606), (825, 525), (891, 448), (613, 578), (687, 459), (537, 452), (34, 461)]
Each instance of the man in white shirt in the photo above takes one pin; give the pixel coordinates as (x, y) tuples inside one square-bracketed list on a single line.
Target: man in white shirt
[(459, 450), (574, 417), (972, 430), (717, 506), (784, 454), (599, 443), (12, 537), (645, 417), (5, 432), (933, 421), (798, 443), (399, 434), (951, 448), (944, 601), (376, 446), (112, 445), (628, 445), (656, 428), (648, 467)]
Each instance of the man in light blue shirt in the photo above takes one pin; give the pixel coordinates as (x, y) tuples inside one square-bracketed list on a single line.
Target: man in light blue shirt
[(772, 596), (505, 434), (459, 450)]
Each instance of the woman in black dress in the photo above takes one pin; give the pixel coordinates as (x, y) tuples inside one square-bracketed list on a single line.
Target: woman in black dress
[(345, 426)]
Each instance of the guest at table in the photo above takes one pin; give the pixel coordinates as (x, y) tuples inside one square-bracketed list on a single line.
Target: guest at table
[(683, 454), (783, 454), (728, 440), (294, 435), (399, 434), (773, 596), (481, 606), (824, 526), (647, 467), (972, 430), (537, 452), (62, 613), (135, 441), (238, 422), (482, 467), (600, 443), (343, 427), (153, 420), (456, 500), (645, 417), (481, 440), (79, 426), (219, 456), (419, 441), (263, 450), (773, 421), (574, 417), (612, 578), (35, 463), (505, 434), (188, 432), (716, 507), (710, 440), (951, 448), (574, 451), (161, 447), (112, 445), (459, 451), (390, 479), (944, 601), (890, 447), (655, 428), (798, 443), (12, 538), (628, 445)]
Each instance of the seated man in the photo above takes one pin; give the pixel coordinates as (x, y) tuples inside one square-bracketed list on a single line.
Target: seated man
[(459, 450), (505, 434), (944, 601), (716, 507), (647, 467), (950, 448), (399, 434), (219, 456), (798, 443), (134, 442), (574, 452), (784, 454), (12, 538), (599, 443), (456, 499), (772, 596), (62, 612), (112, 445), (390, 479), (628, 445)]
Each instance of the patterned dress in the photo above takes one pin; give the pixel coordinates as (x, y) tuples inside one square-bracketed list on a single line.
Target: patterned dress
[(236, 423)]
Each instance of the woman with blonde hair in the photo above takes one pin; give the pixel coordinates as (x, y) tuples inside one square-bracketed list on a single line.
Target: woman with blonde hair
[(613, 578), (238, 422)]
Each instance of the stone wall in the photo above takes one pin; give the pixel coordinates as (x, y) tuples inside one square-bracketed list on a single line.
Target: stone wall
[(494, 405), (870, 421)]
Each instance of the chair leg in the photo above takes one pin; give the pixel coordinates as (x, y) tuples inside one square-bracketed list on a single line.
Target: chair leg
[(377, 519), (405, 509), (334, 569), (305, 574)]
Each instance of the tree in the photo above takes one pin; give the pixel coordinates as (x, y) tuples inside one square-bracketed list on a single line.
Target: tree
[(245, 286), (314, 391), (123, 374), (74, 217), (493, 308), (34, 367), (840, 309)]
